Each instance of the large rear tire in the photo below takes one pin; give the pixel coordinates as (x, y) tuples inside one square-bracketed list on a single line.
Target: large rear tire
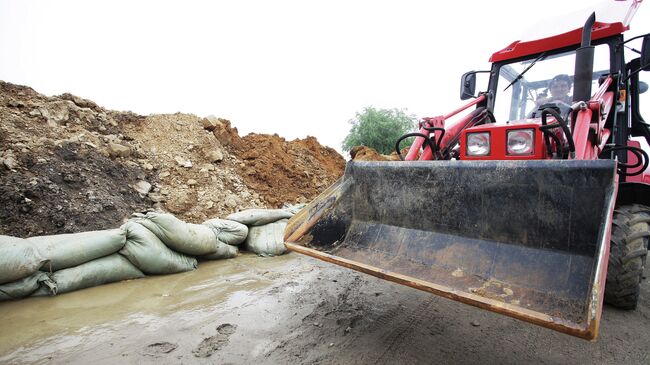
[(627, 256)]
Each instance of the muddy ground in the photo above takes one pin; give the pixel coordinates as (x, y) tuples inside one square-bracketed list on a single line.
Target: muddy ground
[(293, 309)]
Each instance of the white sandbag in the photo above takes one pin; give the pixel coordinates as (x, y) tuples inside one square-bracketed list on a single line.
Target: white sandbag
[(227, 231), (267, 240), (188, 238), (25, 286), (148, 253), (69, 250), (96, 272), (18, 259), (260, 217), (224, 251), (293, 209)]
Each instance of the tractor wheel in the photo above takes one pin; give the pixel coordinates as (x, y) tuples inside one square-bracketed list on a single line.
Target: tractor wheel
[(628, 251)]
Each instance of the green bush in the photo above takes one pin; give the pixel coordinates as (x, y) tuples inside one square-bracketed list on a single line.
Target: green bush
[(379, 129)]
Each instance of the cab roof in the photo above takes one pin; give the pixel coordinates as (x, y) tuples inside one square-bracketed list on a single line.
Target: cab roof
[(612, 18)]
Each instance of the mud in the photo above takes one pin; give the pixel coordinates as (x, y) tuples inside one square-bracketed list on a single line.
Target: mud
[(212, 344), (73, 190), (293, 310)]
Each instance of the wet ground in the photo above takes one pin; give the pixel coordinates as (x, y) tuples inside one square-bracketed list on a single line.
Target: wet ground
[(292, 309)]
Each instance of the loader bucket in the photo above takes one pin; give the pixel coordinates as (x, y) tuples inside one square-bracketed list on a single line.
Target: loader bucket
[(528, 239)]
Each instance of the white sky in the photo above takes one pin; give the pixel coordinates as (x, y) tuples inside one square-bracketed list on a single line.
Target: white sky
[(294, 68)]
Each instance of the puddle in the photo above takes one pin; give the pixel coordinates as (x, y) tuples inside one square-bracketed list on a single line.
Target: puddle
[(68, 320)]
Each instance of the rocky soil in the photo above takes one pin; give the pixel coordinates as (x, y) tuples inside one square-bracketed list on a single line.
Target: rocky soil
[(69, 165), (364, 153)]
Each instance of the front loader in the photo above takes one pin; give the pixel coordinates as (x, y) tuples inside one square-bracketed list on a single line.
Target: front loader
[(519, 203)]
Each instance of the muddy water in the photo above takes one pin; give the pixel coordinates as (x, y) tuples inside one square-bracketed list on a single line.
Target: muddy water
[(293, 310), (94, 320)]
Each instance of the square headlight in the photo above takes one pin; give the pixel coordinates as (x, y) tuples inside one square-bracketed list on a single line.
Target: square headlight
[(520, 142), (478, 144)]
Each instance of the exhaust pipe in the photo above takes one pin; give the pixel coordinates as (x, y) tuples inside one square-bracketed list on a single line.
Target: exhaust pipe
[(584, 64)]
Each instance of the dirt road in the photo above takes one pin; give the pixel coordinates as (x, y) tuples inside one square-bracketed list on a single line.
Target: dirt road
[(293, 309)]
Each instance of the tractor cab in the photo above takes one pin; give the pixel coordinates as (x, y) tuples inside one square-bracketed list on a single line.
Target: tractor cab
[(529, 77)]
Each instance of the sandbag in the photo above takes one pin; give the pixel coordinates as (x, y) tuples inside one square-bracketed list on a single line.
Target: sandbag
[(260, 217), (18, 259), (267, 240), (25, 286), (227, 231), (97, 272), (148, 253), (188, 238), (224, 251), (293, 209), (69, 250)]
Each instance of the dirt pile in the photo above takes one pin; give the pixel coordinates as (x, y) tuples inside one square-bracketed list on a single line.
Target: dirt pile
[(287, 171), (364, 153), (69, 165), (56, 174), (195, 176)]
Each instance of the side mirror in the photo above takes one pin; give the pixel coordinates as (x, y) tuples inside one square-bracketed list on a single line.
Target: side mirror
[(645, 53), (643, 87), (468, 85)]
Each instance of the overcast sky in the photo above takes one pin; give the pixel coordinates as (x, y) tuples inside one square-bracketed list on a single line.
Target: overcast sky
[(295, 68)]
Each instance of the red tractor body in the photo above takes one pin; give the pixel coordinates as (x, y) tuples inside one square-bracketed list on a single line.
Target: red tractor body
[(529, 204)]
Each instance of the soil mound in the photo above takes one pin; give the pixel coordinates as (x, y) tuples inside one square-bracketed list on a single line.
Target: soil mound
[(69, 165), (364, 153), (287, 171)]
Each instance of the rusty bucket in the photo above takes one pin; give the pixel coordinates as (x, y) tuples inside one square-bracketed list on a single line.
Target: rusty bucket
[(528, 239)]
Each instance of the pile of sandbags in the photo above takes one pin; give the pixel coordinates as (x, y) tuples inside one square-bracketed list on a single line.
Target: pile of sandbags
[(265, 228), (145, 250), (148, 244)]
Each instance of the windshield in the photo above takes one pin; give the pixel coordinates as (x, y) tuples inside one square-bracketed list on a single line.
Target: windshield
[(548, 80)]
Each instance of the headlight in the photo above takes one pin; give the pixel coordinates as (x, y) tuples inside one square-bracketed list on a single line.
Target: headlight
[(520, 142), (478, 144)]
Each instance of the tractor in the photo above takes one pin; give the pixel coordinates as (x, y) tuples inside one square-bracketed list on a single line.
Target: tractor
[(532, 200)]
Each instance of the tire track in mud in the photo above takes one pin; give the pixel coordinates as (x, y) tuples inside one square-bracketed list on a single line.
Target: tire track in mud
[(400, 320), (333, 295), (403, 333)]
